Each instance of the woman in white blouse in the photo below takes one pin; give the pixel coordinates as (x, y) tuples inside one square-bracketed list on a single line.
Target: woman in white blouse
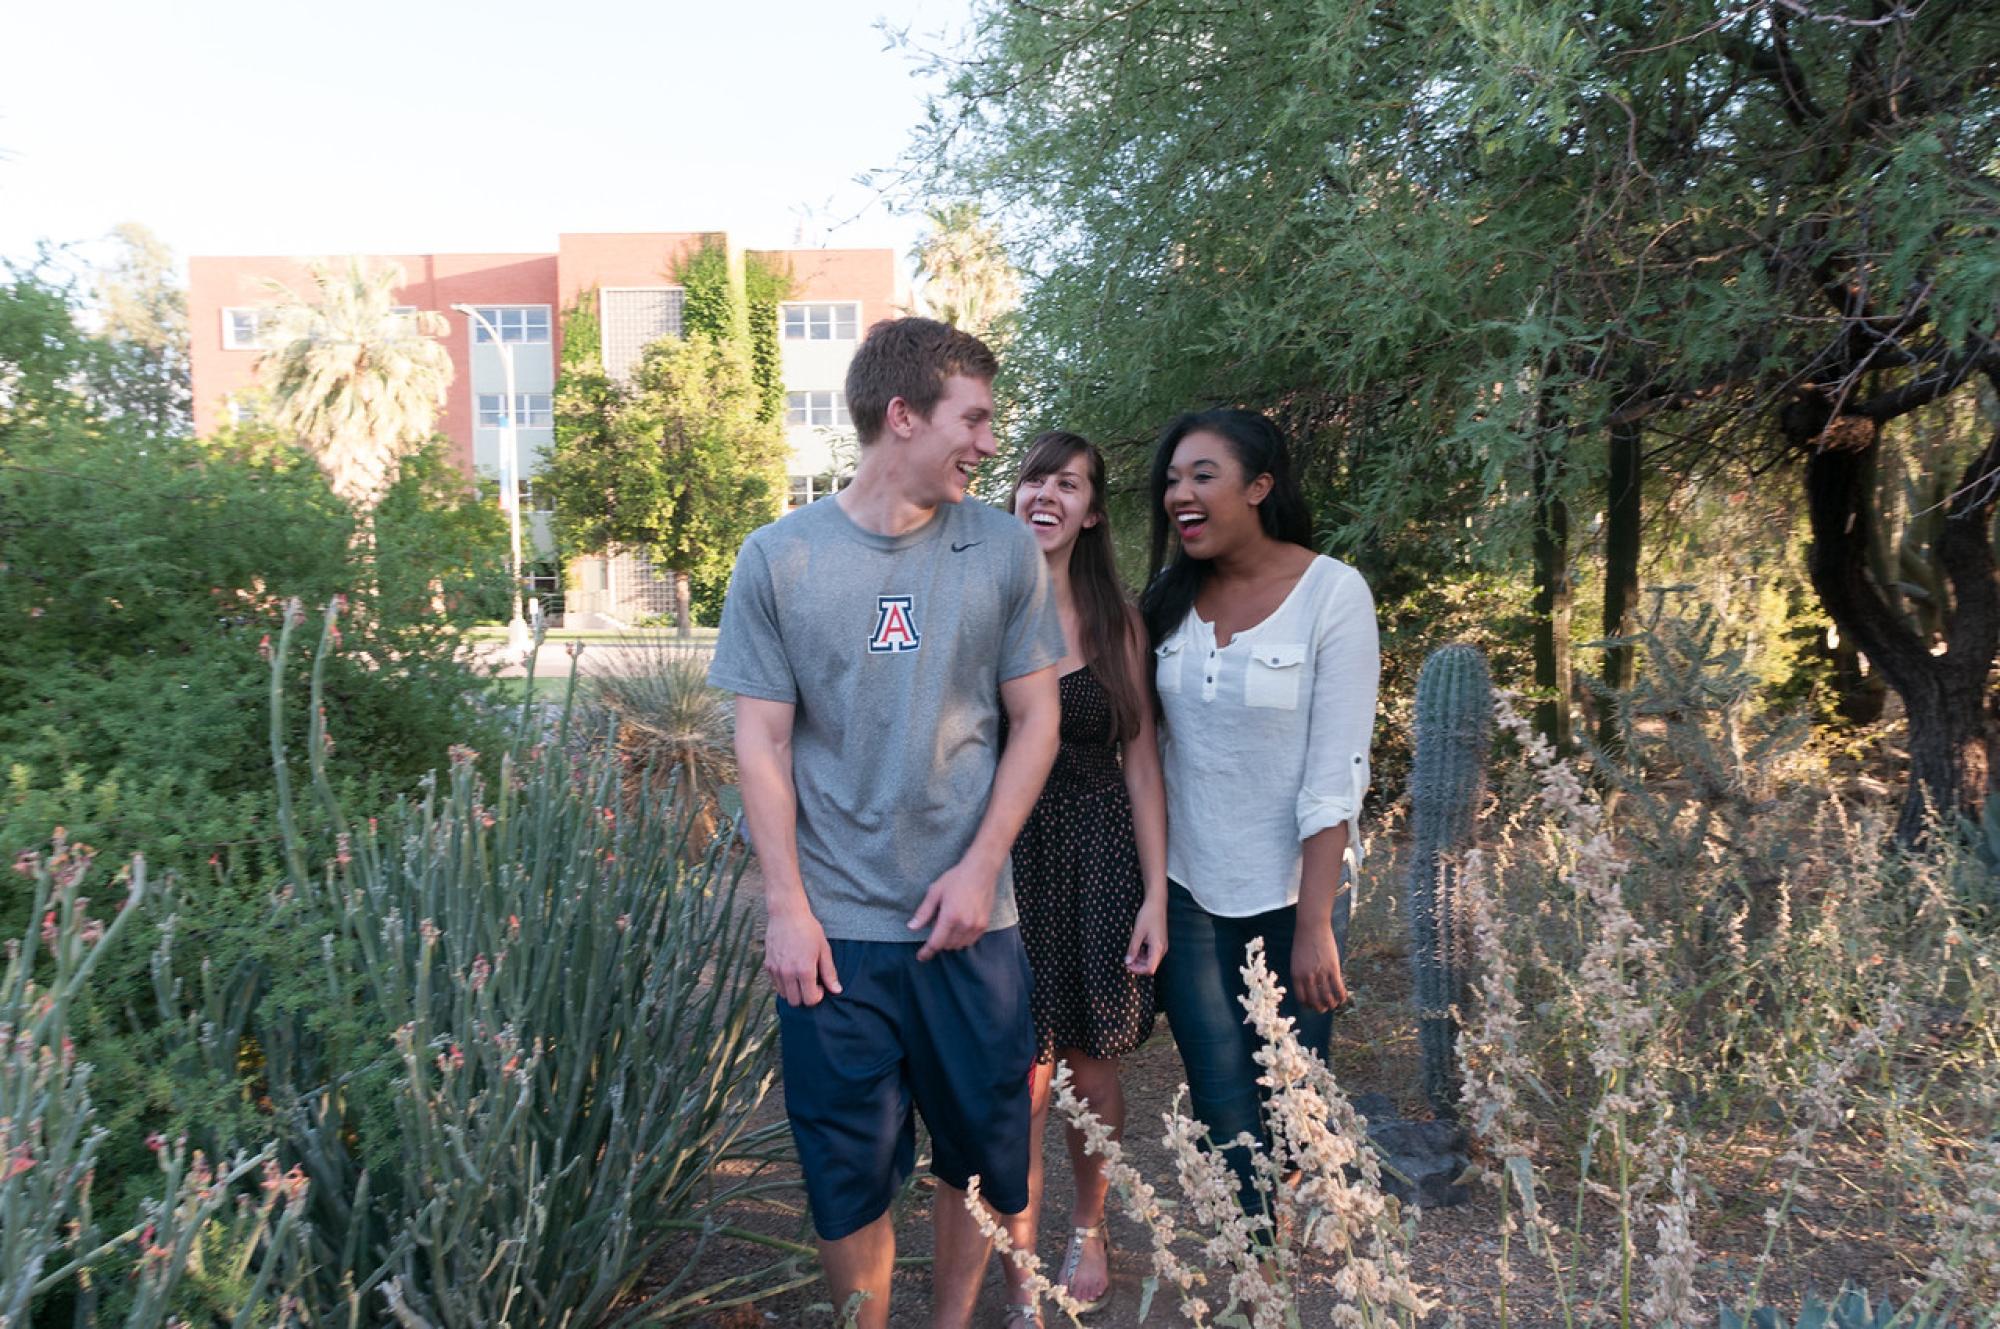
[(1266, 665)]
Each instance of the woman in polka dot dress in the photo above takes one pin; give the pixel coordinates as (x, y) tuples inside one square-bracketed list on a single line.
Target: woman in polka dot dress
[(1090, 867)]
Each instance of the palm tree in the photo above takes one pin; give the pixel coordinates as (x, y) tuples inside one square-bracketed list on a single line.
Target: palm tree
[(966, 279), (356, 378)]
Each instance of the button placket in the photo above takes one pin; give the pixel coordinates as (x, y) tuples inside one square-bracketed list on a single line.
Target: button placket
[(1209, 674)]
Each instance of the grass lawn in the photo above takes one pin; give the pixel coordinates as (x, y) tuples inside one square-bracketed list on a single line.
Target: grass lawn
[(507, 691)]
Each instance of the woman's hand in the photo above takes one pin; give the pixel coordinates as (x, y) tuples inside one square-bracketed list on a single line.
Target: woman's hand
[(1149, 937), (1316, 977)]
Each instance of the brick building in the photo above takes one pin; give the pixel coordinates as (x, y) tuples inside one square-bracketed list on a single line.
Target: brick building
[(836, 295)]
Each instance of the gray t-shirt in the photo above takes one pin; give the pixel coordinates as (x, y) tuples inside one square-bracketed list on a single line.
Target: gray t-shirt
[(892, 649)]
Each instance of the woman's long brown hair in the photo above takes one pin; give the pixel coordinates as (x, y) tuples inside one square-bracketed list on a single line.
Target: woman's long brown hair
[(1101, 603)]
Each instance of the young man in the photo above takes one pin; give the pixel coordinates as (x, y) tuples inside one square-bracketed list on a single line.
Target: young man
[(872, 642)]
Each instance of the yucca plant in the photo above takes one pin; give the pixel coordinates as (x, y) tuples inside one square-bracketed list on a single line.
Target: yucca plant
[(568, 1034), (235, 1231), (673, 728)]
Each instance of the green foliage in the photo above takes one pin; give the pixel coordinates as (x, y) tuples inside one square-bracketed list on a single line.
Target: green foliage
[(440, 544), (535, 1027), (198, 1242), (502, 1036), (51, 374), (710, 303), (584, 393), (766, 285), (143, 311), (671, 725), (686, 470), (1440, 241), (1852, 1309), (142, 582), (1447, 783), (686, 459)]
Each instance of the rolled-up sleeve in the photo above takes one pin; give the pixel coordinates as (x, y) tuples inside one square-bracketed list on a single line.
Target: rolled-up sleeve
[(1340, 723)]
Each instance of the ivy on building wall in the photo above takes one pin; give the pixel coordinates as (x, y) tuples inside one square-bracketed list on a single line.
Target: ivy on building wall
[(767, 283), (584, 393), (710, 296)]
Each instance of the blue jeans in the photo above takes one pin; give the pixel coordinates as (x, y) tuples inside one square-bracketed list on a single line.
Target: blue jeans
[(1202, 992)]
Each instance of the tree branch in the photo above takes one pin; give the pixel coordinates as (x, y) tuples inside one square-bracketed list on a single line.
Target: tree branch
[(1924, 389)]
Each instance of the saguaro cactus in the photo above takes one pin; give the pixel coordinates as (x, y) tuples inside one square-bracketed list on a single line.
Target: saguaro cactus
[(1454, 709)]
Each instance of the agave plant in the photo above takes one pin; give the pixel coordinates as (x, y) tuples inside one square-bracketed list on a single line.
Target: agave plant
[(1851, 1309), (672, 728)]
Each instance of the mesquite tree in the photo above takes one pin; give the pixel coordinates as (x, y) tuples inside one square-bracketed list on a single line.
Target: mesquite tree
[(1597, 247)]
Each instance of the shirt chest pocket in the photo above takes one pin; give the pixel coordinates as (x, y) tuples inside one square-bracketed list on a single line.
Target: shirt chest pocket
[(1167, 665), (1271, 677)]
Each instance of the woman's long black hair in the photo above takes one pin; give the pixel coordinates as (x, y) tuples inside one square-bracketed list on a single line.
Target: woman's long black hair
[(1260, 448)]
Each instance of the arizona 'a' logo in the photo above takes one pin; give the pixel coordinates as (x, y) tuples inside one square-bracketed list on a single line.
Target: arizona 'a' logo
[(895, 625)]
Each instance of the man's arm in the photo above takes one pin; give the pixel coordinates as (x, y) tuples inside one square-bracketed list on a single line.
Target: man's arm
[(959, 904), (796, 955)]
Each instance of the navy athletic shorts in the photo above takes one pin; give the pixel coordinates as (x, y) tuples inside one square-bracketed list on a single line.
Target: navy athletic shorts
[(952, 1036)]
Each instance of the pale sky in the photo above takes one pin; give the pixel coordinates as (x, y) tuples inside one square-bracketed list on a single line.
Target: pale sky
[(412, 126)]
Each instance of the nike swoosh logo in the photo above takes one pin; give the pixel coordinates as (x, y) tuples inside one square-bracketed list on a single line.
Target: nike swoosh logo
[(959, 549)]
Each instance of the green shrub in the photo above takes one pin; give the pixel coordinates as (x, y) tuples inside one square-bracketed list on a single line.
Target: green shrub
[(232, 1232), (532, 1027), (141, 586)]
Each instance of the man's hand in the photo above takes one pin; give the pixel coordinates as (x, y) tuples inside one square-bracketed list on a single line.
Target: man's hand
[(797, 957), (1316, 976), (956, 908)]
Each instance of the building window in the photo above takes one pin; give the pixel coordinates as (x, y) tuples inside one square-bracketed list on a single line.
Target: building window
[(835, 321), (243, 329), (633, 318), (527, 325), (806, 489), (242, 411), (822, 409), (532, 410)]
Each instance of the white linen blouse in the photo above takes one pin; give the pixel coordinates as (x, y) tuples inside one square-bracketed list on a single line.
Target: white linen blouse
[(1265, 741)]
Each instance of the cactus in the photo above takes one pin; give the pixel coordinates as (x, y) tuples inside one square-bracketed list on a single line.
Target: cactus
[(1454, 708)]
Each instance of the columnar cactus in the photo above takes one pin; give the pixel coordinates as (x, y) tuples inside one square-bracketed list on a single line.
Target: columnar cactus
[(1454, 708)]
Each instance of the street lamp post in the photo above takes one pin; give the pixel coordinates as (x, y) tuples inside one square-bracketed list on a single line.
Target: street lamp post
[(510, 476)]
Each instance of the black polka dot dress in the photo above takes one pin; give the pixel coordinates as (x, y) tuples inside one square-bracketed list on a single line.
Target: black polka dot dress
[(1078, 888)]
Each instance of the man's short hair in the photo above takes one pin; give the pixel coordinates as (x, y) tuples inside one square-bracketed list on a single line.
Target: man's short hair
[(910, 358)]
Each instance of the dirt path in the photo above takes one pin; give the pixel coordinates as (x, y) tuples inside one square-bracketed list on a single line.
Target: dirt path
[(1837, 1238)]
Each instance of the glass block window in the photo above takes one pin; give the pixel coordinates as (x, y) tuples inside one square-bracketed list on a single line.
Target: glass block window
[(634, 318), (823, 409), (833, 321), (532, 410), (242, 329), (527, 325)]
